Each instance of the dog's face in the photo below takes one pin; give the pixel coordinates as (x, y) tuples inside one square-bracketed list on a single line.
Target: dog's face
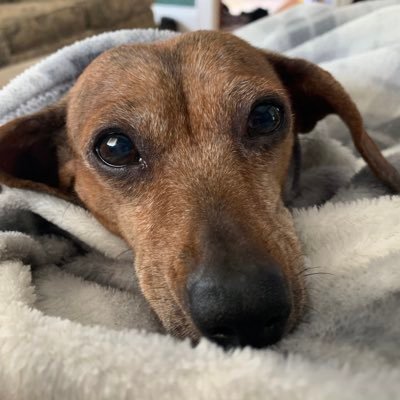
[(184, 148)]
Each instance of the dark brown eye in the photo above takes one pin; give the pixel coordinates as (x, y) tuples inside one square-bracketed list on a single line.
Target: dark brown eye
[(264, 119), (117, 150)]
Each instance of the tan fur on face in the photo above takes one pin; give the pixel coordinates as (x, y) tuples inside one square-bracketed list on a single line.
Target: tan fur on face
[(186, 102), (200, 170)]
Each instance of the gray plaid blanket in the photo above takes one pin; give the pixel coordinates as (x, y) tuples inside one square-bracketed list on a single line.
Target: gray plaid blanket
[(73, 323), (358, 44)]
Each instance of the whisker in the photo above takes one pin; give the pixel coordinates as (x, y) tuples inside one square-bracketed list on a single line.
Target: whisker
[(309, 307), (65, 211), (319, 273), (305, 319), (306, 269), (122, 253), (309, 268)]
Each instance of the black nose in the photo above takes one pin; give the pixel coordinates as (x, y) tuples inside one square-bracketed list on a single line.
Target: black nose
[(248, 306)]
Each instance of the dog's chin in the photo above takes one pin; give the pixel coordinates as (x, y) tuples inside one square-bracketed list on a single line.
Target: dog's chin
[(177, 322), (175, 319), (182, 329)]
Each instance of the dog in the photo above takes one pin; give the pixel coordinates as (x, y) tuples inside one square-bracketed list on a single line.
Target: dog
[(187, 149)]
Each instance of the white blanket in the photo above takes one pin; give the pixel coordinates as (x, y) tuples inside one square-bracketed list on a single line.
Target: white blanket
[(71, 313)]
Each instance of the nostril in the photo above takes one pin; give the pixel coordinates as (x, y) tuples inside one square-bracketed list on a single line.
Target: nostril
[(224, 336)]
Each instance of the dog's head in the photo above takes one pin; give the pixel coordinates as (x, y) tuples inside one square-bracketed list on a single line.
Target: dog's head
[(185, 149)]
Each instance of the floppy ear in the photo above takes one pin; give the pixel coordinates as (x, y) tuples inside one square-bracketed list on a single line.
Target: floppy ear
[(30, 152), (315, 94)]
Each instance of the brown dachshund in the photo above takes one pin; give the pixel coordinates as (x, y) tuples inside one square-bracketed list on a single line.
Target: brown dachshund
[(186, 149)]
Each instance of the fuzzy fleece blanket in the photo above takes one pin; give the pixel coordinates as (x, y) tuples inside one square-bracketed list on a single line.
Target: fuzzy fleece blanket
[(73, 323)]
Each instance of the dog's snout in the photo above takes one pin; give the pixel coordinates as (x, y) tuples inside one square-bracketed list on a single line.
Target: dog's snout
[(240, 307)]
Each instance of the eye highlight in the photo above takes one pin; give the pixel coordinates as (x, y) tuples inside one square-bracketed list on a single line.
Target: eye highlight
[(117, 150), (264, 119)]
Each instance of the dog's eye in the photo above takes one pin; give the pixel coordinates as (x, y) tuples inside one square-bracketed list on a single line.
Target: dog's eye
[(117, 150), (264, 119)]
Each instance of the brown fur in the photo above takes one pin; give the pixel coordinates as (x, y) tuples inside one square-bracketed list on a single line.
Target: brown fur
[(186, 102)]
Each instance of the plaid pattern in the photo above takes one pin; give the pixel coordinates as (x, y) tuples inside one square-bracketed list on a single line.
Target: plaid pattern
[(358, 44)]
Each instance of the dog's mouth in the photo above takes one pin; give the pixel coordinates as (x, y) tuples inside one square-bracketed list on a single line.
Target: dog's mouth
[(247, 334)]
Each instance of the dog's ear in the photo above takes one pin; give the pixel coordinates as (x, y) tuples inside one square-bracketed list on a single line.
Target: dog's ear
[(314, 94), (30, 152)]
